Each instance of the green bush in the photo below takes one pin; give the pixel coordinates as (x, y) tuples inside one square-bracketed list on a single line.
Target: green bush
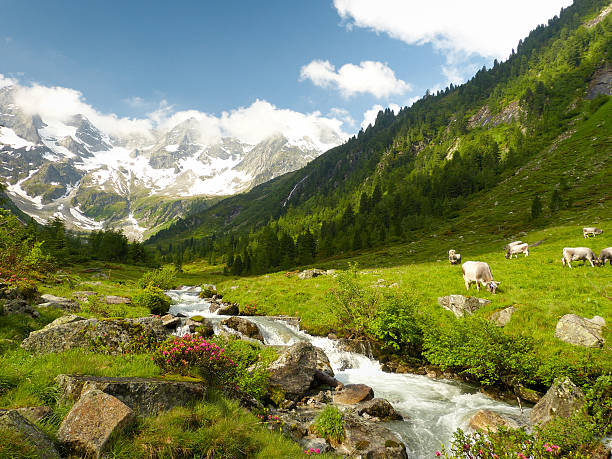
[(476, 347), (397, 325), (330, 424), (163, 278), (154, 299)]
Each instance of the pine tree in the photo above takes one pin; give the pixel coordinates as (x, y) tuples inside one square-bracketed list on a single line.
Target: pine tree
[(556, 202), (536, 207)]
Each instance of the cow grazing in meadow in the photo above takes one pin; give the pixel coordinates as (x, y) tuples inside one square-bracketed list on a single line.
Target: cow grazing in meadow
[(591, 231), (512, 244), (480, 273), (605, 255), (516, 249), (454, 257), (578, 253)]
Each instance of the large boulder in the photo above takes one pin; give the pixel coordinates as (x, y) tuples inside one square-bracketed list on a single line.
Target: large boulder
[(462, 305), (310, 273), (94, 418), (244, 327), (109, 335), (12, 420), (294, 371), (146, 396), (378, 408), (581, 331), (501, 318), (369, 439), (486, 420), (563, 399), (113, 299), (58, 302), (225, 309), (352, 394)]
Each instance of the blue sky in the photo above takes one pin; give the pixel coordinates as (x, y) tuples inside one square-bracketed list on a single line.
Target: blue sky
[(340, 58)]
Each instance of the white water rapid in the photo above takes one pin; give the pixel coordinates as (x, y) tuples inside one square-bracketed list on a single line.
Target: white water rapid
[(432, 409)]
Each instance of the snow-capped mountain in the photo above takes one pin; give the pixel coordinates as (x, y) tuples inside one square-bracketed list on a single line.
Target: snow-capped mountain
[(73, 170)]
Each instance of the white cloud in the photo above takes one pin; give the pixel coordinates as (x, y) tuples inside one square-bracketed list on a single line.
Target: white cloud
[(250, 124), (6, 81), (60, 104), (370, 115), (342, 114), (484, 27), (371, 77)]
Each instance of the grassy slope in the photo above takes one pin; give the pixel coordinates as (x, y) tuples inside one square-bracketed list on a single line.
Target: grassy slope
[(540, 288)]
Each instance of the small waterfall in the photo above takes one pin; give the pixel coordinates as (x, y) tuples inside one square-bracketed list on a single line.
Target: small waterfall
[(433, 409)]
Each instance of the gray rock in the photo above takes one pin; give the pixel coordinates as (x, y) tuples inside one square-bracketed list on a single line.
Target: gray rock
[(563, 399), (48, 298), (244, 327), (486, 420), (228, 309), (310, 273), (83, 295), (35, 413), (369, 439), (92, 421), (351, 394), (146, 396), (112, 299), (14, 421), (111, 335), (294, 371), (67, 319), (462, 305), (323, 362), (311, 443), (378, 408), (169, 321), (501, 318), (580, 331)]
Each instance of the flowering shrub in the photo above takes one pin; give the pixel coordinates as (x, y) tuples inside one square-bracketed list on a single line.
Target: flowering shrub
[(193, 354), (250, 310), (312, 451), (504, 444)]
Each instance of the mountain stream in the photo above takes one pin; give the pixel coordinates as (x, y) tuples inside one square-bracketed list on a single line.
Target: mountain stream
[(433, 409)]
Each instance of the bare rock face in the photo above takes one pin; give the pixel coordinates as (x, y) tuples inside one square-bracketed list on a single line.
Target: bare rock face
[(35, 413), (563, 399), (146, 396), (352, 394), (486, 420), (462, 305), (294, 371), (378, 408), (501, 318), (243, 326), (580, 331), (111, 335), (310, 273), (92, 421), (14, 421), (112, 299)]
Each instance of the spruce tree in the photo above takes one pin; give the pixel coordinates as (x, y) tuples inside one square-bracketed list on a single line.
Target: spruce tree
[(536, 207)]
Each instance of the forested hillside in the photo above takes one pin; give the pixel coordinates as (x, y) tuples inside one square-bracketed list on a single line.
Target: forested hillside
[(427, 165)]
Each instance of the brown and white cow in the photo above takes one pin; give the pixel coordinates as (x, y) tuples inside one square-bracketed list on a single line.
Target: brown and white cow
[(591, 231), (605, 255), (515, 249), (578, 253), (480, 273), (454, 257)]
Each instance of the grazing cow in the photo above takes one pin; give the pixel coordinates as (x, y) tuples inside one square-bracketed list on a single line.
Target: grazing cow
[(513, 244), (454, 257), (578, 253), (480, 273), (606, 255), (591, 231), (516, 249)]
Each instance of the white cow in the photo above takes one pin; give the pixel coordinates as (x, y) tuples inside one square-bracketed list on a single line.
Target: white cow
[(515, 249), (605, 255), (591, 231), (578, 253), (480, 273), (454, 257)]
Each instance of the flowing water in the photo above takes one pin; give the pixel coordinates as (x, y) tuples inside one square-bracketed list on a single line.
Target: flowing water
[(432, 409)]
